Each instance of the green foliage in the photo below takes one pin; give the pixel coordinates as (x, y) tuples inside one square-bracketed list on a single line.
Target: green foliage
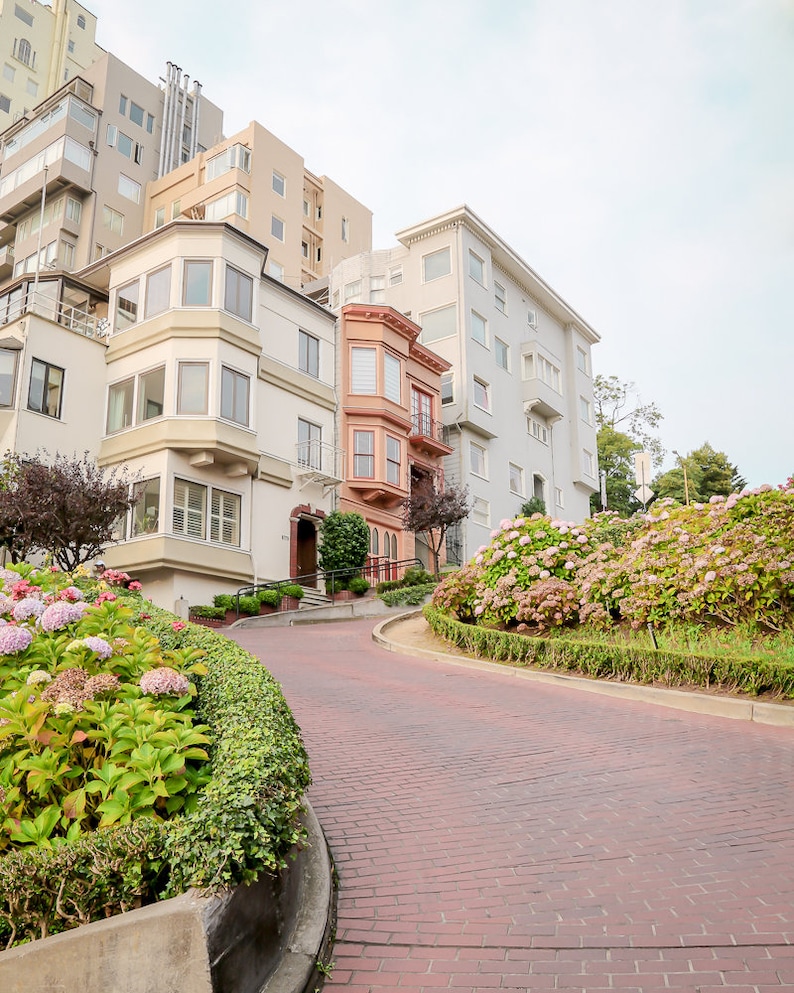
[(269, 598), (432, 512), (616, 451), (208, 613), (344, 541), (224, 600), (535, 505), (411, 596), (622, 663), (295, 590), (708, 474), (413, 576), (358, 585), (249, 605), (109, 760)]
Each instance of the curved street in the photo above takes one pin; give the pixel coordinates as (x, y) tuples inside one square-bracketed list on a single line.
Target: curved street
[(494, 833)]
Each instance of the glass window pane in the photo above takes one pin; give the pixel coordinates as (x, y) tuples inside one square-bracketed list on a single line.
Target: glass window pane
[(158, 291), (8, 372), (127, 305), (120, 406), (198, 283), (436, 265), (192, 388), (146, 517), (151, 392)]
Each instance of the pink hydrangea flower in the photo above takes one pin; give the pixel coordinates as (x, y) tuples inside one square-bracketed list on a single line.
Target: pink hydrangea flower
[(71, 593), (14, 639), (158, 682), (28, 607), (59, 614), (524, 539), (710, 576)]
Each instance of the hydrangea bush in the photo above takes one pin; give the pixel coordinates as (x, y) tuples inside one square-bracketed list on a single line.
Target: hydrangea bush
[(728, 562), (96, 722)]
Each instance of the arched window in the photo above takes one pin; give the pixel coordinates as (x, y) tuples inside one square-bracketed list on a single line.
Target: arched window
[(80, 21), (375, 542), (394, 547), (386, 544), (23, 51)]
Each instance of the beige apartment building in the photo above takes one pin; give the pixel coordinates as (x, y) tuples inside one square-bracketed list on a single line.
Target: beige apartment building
[(259, 184), (41, 48), (75, 170)]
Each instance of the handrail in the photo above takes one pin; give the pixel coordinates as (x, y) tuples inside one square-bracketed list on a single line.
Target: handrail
[(370, 570)]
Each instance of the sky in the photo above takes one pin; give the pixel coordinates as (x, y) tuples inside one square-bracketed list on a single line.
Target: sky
[(638, 156)]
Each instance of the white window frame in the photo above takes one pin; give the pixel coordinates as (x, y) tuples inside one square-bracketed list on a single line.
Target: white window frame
[(279, 184), (363, 371), (501, 350), (516, 478), (500, 297), (485, 394), (235, 399), (308, 353), (277, 228), (392, 377), (478, 460), (476, 268), (433, 265), (479, 328)]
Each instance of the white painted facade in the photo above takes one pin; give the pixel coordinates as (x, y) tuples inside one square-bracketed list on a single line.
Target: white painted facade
[(518, 403)]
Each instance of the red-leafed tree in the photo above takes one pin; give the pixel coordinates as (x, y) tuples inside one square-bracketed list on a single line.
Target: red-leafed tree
[(432, 512), (66, 507)]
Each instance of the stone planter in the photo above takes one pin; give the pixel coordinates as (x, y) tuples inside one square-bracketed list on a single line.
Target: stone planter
[(272, 932)]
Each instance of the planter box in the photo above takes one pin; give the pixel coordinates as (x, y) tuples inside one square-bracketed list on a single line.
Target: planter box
[(266, 608), (343, 595), (272, 931), (289, 603), (208, 622)]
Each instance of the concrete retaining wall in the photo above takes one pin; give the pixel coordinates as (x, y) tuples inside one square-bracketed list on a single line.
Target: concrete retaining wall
[(264, 936)]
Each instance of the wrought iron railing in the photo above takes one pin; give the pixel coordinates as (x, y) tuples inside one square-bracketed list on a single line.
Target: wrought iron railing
[(334, 581), (422, 425)]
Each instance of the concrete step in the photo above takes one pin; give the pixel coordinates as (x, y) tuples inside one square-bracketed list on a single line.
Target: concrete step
[(313, 597)]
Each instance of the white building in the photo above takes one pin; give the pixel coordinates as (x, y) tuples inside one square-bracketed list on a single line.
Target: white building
[(518, 402)]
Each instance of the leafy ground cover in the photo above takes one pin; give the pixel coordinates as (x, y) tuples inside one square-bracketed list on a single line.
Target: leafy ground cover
[(139, 755)]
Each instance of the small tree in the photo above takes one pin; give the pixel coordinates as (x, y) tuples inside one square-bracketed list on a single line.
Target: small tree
[(344, 542), (708, 474), (535, 505), (433, 512), (67, 507)]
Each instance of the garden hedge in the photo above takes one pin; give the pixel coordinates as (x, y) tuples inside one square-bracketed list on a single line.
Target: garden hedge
[(616, 662), (245, 823)]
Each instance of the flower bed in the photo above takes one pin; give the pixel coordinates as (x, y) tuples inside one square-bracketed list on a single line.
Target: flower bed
[(109, 708)]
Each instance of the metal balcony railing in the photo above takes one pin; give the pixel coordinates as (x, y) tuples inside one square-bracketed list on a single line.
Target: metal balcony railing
[(422, 425), (43, 304), (320, 461)]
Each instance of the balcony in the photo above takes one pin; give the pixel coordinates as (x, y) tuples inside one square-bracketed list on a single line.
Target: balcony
[(68, 164), (317, 462), (540, 398), (427, 435), (60, 304), (6, 261)]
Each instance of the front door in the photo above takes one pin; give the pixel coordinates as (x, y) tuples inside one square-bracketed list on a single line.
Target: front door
[(307, 551)]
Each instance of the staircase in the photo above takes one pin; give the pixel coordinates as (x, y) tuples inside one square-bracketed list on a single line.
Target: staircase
[(312, 597)]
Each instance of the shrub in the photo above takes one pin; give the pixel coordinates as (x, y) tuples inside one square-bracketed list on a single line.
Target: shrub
[(208, 613), (269, 598), (224, 600), (358, 585), (249, 605), (344, 541), (411, 596), (294, 590)]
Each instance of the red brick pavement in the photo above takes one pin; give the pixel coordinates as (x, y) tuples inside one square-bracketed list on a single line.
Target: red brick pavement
[(499, 834)]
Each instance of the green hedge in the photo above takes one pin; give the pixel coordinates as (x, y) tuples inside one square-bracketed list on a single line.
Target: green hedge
[(245, 823), (411, 596), (208, 613), (625, 664)]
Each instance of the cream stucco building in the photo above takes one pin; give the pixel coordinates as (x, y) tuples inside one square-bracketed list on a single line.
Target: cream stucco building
[(41, 48), (518, 400), (262, 186)]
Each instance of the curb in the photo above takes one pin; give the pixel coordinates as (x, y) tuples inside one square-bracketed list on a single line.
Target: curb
[(696, 703), (310, 940)]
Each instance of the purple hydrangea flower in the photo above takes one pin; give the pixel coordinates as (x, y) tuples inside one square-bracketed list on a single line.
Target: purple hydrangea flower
[(98, 645), (59, 614), (28, 607), (164, 680), (14, 639)]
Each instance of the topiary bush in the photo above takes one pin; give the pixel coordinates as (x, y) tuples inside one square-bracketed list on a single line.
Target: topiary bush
[(208, 613), (269, 598), (344, 542), (358, 585), (249, 605)]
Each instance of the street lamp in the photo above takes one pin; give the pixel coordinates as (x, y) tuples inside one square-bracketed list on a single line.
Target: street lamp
[(686, 481)]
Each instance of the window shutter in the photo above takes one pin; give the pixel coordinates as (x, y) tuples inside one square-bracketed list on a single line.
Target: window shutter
[(391, 369)]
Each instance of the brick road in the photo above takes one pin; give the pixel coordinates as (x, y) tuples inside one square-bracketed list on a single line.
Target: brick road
[(491, 833)]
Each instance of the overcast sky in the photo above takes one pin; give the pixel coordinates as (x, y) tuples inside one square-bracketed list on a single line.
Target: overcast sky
[(639, 156)]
